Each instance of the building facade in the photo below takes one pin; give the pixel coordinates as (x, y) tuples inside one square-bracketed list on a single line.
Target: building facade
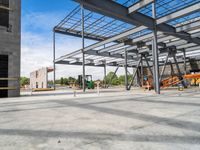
[(10, 35), (39, 78)]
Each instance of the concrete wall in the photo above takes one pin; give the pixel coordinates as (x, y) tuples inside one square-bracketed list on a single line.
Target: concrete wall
[(10, 45), (39, 76)]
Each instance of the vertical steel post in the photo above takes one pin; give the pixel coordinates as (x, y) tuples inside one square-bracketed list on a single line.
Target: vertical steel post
[(142, 71), (184, 57), (54, 58), (126, 70), (105, 70), (83, 46), (105, 75), (155, 50)]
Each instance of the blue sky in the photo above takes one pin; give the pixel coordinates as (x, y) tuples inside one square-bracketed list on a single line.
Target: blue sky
[(38, 19)]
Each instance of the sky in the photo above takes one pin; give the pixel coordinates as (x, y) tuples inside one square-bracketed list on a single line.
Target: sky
[(38, 19)]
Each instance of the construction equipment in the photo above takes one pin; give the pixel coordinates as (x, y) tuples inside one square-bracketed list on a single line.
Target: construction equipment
[(195, 78), (148, 82), (89, 84), (174, 80)]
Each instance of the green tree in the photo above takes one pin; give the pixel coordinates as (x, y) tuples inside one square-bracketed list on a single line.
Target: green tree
[(114, 78), (61, 81), (122, 79), (57, 81), (24, 81), (71, 80), (65, 81)]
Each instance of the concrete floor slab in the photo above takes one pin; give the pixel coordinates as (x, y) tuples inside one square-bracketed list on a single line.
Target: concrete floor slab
[(113, 120)]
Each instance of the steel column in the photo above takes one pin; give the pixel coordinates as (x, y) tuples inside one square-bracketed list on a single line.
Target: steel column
[(105, 74), (126, 70), (184, 59), (138, 79), (83, 46), (155, 51), (54, 58), (142, 71)]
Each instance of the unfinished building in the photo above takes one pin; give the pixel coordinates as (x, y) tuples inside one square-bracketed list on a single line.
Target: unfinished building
[(10, 32), (135, 34), (39, 78)]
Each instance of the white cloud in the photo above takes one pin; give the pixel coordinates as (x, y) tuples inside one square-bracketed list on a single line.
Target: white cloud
[(37, 48)]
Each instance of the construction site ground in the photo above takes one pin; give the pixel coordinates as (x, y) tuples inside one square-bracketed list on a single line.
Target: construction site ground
[(114, 119)]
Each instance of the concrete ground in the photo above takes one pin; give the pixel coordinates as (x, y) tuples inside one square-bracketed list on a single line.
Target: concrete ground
[(113, 120)]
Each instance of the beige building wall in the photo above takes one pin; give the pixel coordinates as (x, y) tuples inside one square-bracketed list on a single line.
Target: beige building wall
[(39, 78)]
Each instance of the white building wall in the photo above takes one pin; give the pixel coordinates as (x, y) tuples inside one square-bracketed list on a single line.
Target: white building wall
[(39, 78)]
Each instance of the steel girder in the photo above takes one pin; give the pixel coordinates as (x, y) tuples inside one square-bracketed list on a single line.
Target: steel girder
[(139, 5), (117, 11)]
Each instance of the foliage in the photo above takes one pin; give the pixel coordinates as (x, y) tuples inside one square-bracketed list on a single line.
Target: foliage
[(115, 79), (61, 81), (24, 81), (64, 81)]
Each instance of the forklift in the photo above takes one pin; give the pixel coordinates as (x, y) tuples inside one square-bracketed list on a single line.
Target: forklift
[(89, 84)]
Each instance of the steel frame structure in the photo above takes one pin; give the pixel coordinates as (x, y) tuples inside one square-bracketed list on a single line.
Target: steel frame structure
[(125, 30)]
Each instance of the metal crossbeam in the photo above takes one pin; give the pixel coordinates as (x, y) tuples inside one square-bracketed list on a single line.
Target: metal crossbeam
[(139, 5), (179, 13), (117, 11)]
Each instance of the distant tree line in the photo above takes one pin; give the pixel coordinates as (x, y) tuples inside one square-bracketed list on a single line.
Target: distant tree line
[(113, 79), (64, 81), (116, 80)]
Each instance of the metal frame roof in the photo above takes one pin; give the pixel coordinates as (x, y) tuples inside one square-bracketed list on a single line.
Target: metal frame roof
[(119, 26)]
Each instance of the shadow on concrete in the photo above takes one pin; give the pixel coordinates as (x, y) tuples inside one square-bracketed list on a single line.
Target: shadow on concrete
[(139, 116), (187, 125), (141, 99), (43, 134)]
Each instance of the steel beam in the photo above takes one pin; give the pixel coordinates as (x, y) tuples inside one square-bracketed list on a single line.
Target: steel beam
[(78, 34), (180, 13), (117, 11), (189, 26), (126, 33), (135, 7), (107, 54), (64, 62), (106, 49), (83, 47)]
